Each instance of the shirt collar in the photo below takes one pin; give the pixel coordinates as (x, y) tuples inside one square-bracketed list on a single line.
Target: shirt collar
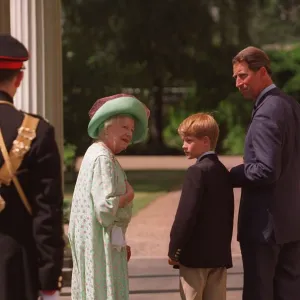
[(264, 91), (204, 154)]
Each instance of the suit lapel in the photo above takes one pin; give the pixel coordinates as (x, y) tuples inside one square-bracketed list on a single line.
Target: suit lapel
[(261, 101)]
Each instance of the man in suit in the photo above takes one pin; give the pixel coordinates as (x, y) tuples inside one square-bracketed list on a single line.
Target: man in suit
[(269, 217), (31, 235)]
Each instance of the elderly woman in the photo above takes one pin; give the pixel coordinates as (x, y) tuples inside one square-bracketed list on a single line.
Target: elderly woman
[(102, 201)]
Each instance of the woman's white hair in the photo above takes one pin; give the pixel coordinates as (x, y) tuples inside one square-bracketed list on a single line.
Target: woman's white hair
[(107, 124)]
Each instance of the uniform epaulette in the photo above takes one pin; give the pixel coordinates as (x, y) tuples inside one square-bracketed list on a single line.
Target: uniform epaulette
[(36, 116), (21, 145)]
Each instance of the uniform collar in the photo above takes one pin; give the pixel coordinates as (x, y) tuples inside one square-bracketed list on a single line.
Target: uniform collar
[(6, 97)]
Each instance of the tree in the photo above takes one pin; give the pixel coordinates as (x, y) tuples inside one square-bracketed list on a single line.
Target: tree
[(155, 36), (90, 65), (133, 43), (109, 45)]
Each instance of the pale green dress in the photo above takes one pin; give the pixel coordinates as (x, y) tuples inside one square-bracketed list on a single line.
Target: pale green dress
[(99, 269)]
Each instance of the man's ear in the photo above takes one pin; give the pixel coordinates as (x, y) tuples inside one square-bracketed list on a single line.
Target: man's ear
[(263, 71), (19, 79)]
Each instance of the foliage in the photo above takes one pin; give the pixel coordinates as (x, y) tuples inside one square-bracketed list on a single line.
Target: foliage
[(176, 116), (233, 115), (69, 155), (109, 46), (233, 144), (286, 68), (276, 22)]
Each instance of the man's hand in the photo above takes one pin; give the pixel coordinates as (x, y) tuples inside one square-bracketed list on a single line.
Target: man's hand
[(49, 295), (173, 262)]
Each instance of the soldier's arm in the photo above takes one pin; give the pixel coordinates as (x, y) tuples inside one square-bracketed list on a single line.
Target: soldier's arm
[(47, 202)]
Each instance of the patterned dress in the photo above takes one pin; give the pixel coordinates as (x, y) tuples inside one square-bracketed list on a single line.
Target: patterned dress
[(99, 269)]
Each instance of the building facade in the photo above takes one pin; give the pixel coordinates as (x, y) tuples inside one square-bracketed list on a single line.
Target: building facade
[(37, 24)]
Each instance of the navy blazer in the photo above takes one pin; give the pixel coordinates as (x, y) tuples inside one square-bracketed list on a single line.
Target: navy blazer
[(202, 230), (270, 175)]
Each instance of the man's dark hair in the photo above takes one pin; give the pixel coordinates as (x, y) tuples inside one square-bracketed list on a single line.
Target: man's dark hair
[(7, 75), (255, 58)]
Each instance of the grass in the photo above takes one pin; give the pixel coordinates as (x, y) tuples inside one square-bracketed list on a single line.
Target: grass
[(147, 184), (141, 200)]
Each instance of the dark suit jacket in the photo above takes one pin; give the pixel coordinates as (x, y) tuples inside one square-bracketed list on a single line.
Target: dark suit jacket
[(202, 230), (270, 175), (31, 247)]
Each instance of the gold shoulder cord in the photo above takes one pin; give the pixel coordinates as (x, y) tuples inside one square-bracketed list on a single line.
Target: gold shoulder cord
[(2, 202), (6, 102), (13, 176), (21, 145)]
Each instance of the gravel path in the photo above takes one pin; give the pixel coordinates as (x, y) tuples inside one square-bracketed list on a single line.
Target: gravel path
[(148, 232)]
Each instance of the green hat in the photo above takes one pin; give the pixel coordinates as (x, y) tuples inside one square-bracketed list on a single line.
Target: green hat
[(120, 104)]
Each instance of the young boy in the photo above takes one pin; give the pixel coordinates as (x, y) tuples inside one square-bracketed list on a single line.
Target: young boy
[(201, 234)]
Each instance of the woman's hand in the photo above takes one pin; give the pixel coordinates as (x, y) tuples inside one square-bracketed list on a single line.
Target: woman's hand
[(128, 252), (128, 196), (129, 191)]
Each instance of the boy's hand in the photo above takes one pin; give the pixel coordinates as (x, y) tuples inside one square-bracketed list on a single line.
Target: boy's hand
[(173, 262)]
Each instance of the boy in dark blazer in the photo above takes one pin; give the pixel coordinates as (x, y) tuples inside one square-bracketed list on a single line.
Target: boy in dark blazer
[(200, 239)]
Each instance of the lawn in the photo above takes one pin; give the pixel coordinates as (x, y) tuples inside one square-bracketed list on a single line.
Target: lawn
[(147, 184)]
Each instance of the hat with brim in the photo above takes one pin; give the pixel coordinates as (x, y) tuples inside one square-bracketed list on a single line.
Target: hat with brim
[(13, 53), (120, 106)]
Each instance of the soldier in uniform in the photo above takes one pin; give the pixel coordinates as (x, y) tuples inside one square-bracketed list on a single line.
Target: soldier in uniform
[(31, 232)]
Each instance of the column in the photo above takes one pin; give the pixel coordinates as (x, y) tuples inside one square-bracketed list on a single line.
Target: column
[(37, 24), (4, 16)]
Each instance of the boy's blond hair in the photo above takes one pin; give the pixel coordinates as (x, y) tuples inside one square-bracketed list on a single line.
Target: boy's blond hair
[(200, 125)]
